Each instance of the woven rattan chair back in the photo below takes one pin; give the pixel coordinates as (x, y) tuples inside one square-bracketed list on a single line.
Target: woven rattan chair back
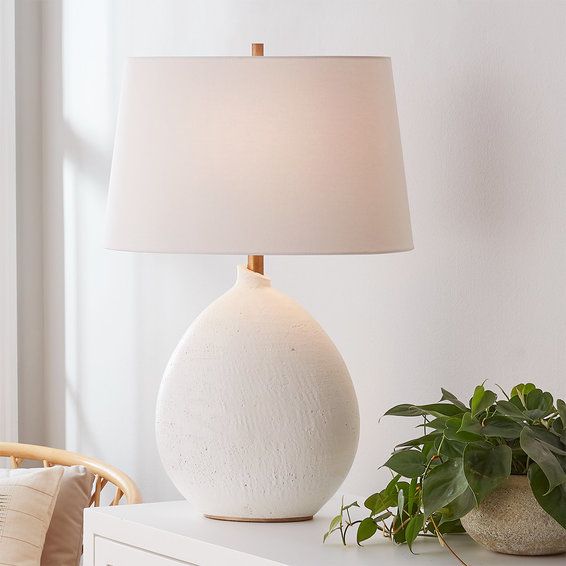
[(106, 476)]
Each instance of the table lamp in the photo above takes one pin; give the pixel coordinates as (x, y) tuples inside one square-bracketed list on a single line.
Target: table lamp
[(257, 417)]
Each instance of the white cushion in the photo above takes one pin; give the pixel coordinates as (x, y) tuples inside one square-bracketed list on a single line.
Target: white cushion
[(26, 505), (63, 542)]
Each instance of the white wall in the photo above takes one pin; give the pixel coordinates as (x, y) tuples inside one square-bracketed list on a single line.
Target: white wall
[(481, 89), (30, 222), (8, 226)]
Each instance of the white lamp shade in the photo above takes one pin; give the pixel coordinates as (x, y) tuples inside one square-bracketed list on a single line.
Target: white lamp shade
[(258, 155)]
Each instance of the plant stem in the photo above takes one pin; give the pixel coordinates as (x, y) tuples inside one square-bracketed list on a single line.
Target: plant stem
[(348, 526), (444, 543)]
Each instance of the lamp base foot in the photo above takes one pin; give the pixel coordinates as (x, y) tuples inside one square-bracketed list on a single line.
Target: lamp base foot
[(259, 520)]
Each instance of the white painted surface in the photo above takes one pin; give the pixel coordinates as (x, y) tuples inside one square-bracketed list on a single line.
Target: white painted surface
[(256, 415), (480, 93), (175, 530), (8, 260), (29, 164), (58, 240)]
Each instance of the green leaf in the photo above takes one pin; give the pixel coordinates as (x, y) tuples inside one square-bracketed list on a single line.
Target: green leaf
[(501, 427), (439, 409), (482, 400), (411, 496), (438, 423), (509, 409), (422, 439), (452, 431), (543, 456), (334, 525), (447, 396), (442, 485), (404, 410), (434, 409), (549, 439), (335, 522), (400, 503), (486, 468), (469, 424), (383, 499), (518, 402), (450, 448), (521, 391), (408, 463), (451, 527), (400, 535), (366, 529), (539, 404), (552, 501), (462, 505), (414, 527), (561, 406)]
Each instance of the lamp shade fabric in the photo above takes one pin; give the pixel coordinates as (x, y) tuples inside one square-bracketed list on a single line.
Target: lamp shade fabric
[(258, 155)]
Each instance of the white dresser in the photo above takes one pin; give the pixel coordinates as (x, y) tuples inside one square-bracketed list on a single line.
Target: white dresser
[(173, 534)]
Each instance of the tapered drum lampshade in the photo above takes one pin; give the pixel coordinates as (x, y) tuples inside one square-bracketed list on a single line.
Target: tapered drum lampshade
[(257, 417), (258, 155)]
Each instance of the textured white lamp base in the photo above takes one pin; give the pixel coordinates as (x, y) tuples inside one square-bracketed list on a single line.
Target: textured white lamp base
[(257, 418)]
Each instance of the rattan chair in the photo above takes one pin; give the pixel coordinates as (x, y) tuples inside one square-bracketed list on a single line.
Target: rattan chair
[(105, 475)]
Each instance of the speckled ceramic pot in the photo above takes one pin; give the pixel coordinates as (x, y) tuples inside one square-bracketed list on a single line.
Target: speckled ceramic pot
[(511, 521)]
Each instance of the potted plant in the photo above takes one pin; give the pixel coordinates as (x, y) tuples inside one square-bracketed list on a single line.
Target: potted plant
[(495, 468)]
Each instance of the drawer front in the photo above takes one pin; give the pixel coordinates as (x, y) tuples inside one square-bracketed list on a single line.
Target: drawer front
[(111, 553)]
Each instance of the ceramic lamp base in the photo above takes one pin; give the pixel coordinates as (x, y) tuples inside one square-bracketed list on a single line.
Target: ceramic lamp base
[(256, 414)]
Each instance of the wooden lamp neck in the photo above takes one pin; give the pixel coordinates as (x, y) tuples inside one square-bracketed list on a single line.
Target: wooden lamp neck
[(255, 262)]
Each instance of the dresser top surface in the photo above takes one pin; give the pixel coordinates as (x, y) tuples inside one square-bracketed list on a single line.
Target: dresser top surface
[(298, 544)]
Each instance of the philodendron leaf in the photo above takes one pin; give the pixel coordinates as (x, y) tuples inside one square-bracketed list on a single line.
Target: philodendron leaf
[(451, 527), (404, 410), (399, 530), (408, 463), (543, 456), (469, 424), (334, 525), (414, 527), (382, 500), (561, 406), (434, 409), (431, 436), (447, 449), (453, 432), (509, 409), (522, 390), (438, 423), (553, 501), (539, 404), (482, 400), (442, 485), (502, 427), (411, 496), (366, 529), (447, 396), (549, 439), (557, 427), (400, 503), (462, 505), (486, 468)]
